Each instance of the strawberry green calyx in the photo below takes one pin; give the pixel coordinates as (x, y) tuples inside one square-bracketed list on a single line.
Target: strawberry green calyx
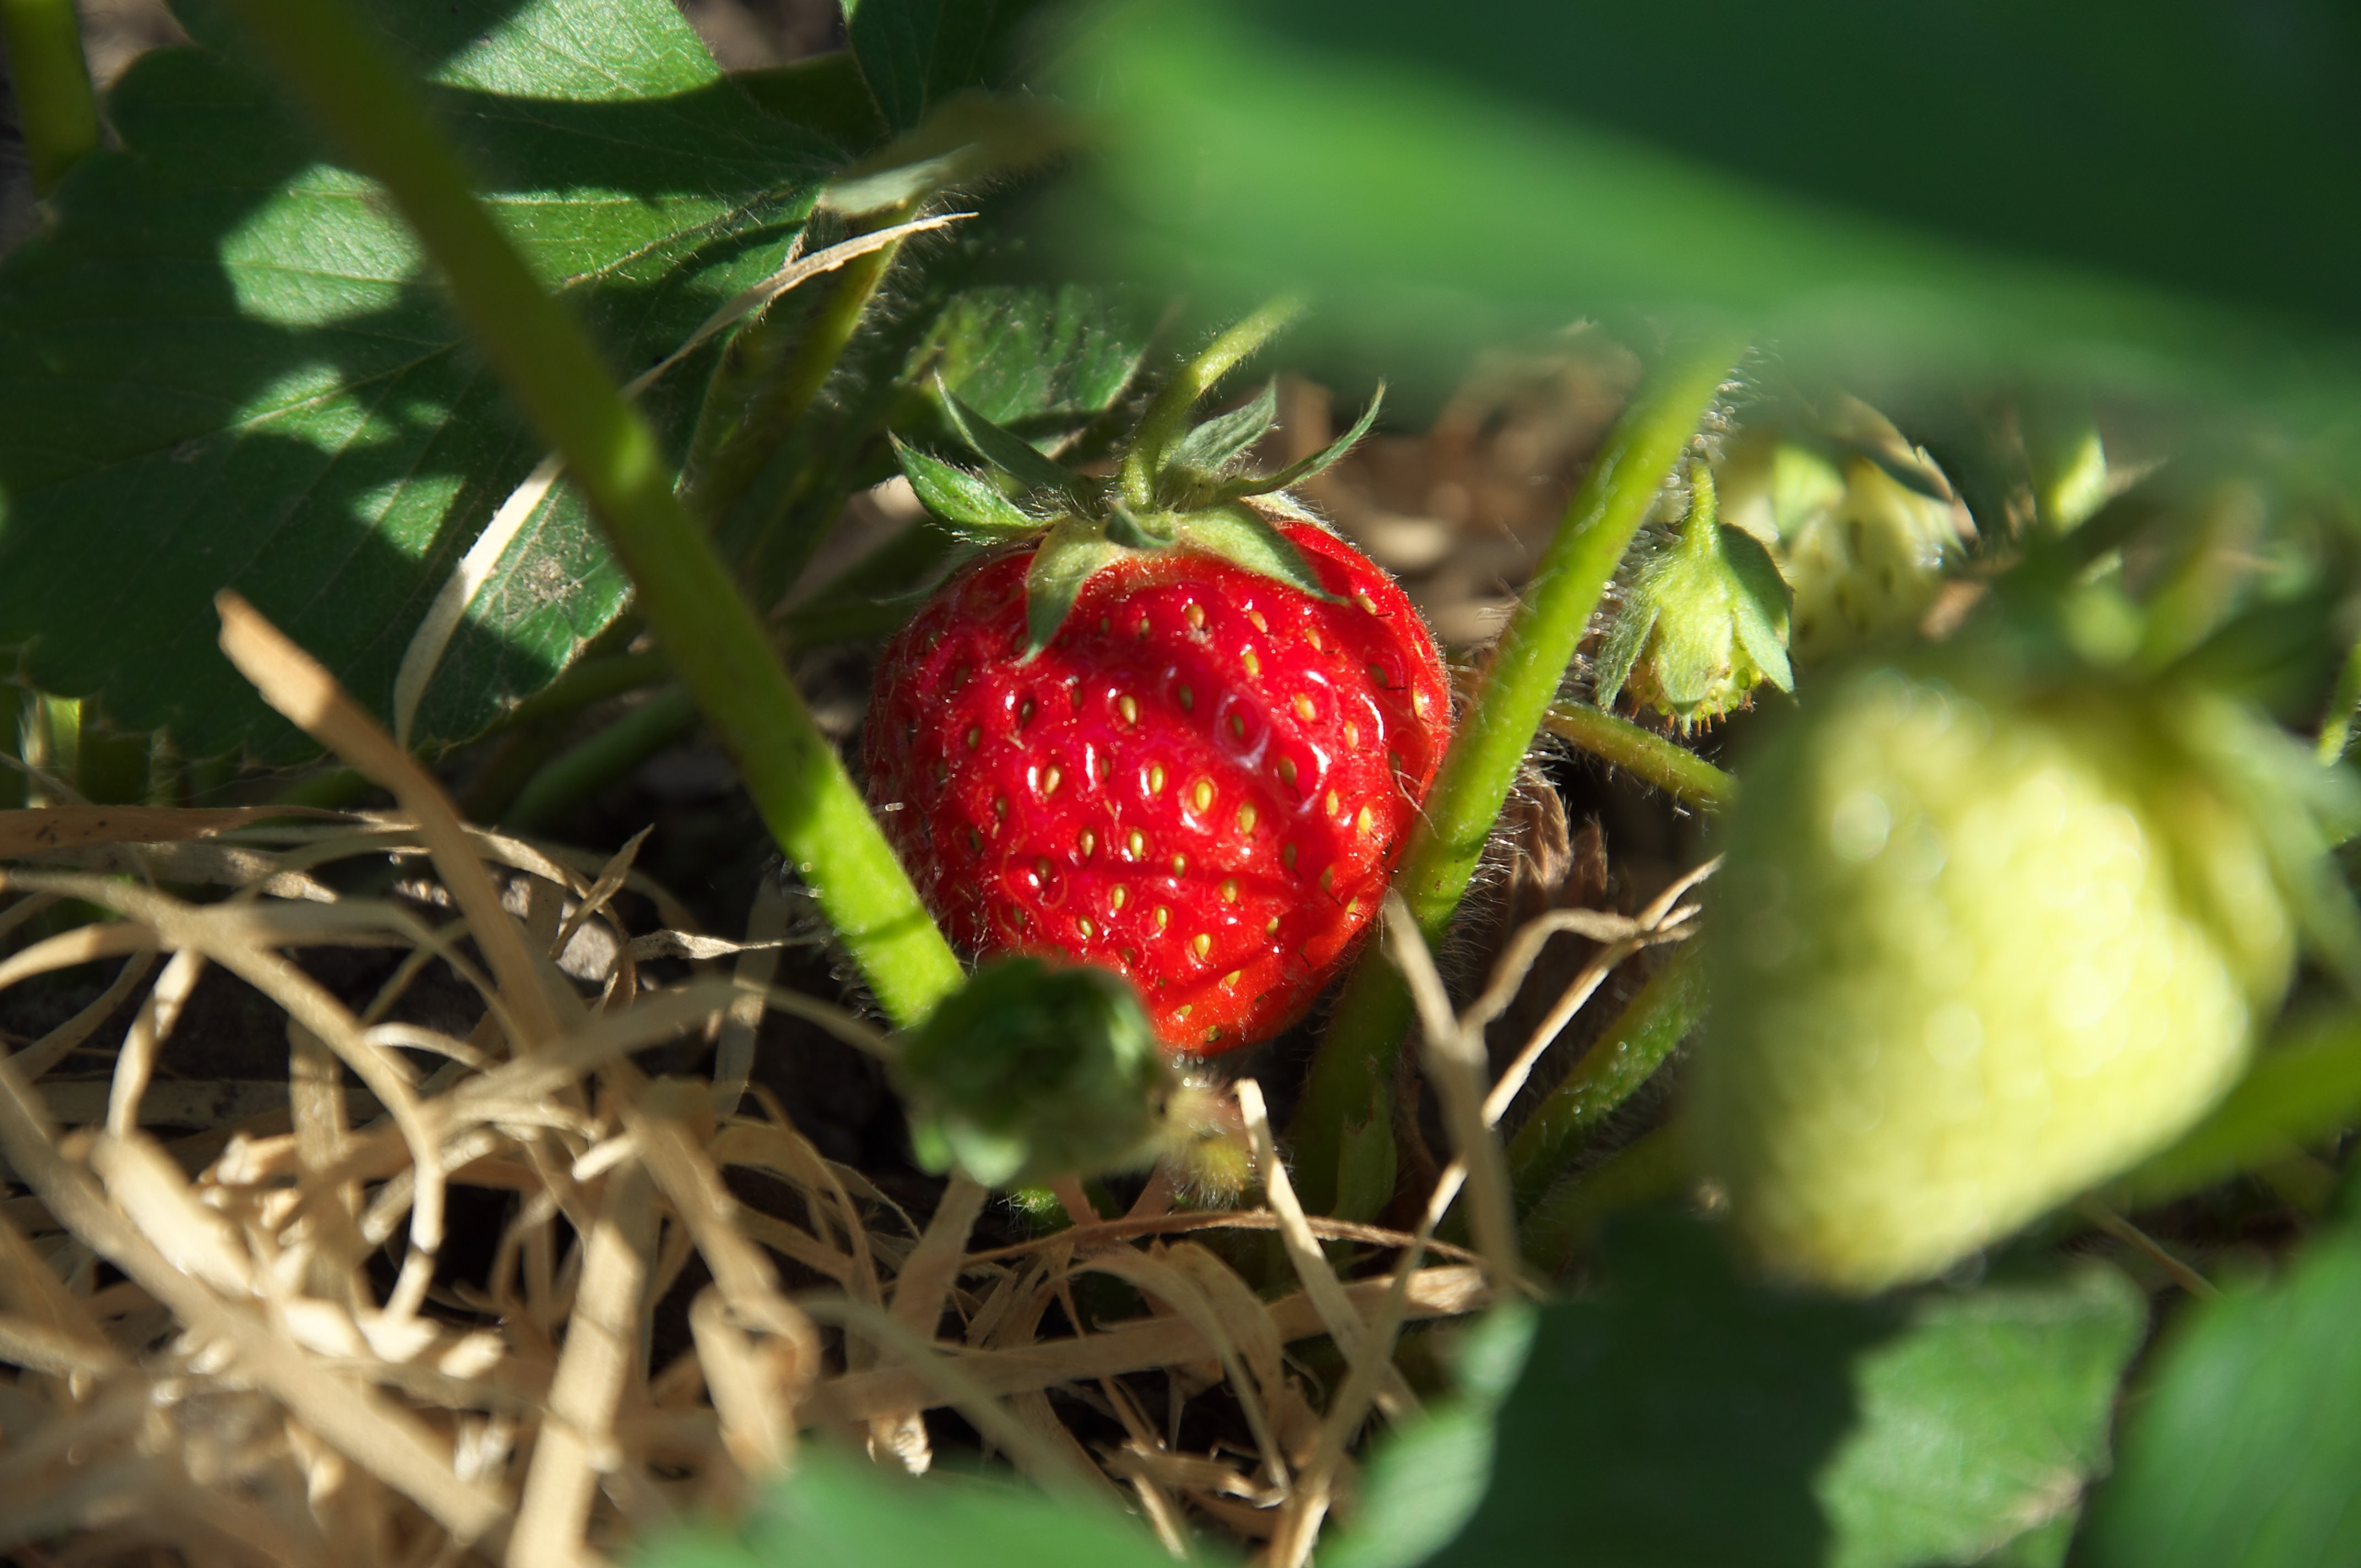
[(1703, 621), (1189, 490), (1984, 946)]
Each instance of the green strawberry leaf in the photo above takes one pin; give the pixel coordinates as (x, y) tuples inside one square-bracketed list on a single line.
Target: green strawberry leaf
[(1009, 452), (1043, 359), (230, 368), (835, 1511), (969, 137), (1425, 1478), (1760, 605), (1244, 537), (913, 53), (1850, 191), (1297, 472), (1070, 557), (1681, 1416), (1625, 639), (965, 503), (824, 93), (2247, 1442), (1212, 446)]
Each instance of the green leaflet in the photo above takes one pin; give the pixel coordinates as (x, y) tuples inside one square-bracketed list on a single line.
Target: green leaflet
[(966, 503), (839, 1512), (1682, 1415), (1009, 452), (187, 406), (1244, 537), (1045, 360), (1846, 187), (2244, 1447), (1621, 650), (1759, 606), (1425, 1477), (1212, 446), (1072, 554), (1296, 473), (913, 53)]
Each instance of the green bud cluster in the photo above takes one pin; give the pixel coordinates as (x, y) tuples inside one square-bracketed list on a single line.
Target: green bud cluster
[(1703, 619)]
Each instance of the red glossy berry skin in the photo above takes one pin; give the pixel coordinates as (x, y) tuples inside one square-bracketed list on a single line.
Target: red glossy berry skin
[(1202, 783)]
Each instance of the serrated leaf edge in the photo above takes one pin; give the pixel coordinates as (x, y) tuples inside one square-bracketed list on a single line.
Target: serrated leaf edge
[(1007, 451), (963, 503), (1297, 472)]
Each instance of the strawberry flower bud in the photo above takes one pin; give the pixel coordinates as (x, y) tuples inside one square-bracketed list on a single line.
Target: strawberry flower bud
[(1030, 1072), (1703, 620)]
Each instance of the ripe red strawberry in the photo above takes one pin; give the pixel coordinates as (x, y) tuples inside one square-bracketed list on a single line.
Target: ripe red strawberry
[(1151, 757)]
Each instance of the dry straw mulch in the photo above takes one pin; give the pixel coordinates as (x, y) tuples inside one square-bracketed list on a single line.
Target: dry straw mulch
[(230, 1348)]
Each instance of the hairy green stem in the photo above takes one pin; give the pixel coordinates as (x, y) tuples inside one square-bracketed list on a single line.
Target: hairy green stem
[(56, 110), (1641, 753), (1562, 1224), (712, 638), (1161, 425), (761, 475), (1348, 1088), (1650, 1026), (576, 775), (588, 681)]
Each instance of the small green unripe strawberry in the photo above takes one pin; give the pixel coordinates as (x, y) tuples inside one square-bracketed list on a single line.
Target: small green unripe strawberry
[(1864, 537), (1973, 952), (1703, 620), (1032, 1070)]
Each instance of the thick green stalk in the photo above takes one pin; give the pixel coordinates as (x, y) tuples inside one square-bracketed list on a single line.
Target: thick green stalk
[(1647, 1031), (1161, 425), (1649, 1168), (579, 773), (1347, 1101), (594, 679), (56, 109), (713, 639), (1643, 753), (761, 475)]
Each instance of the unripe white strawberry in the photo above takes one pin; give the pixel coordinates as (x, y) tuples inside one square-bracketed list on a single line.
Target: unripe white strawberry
[(1702, 622), (1974, 952)]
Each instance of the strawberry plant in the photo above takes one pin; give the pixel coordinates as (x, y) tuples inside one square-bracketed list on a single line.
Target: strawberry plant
[(698, 782)]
